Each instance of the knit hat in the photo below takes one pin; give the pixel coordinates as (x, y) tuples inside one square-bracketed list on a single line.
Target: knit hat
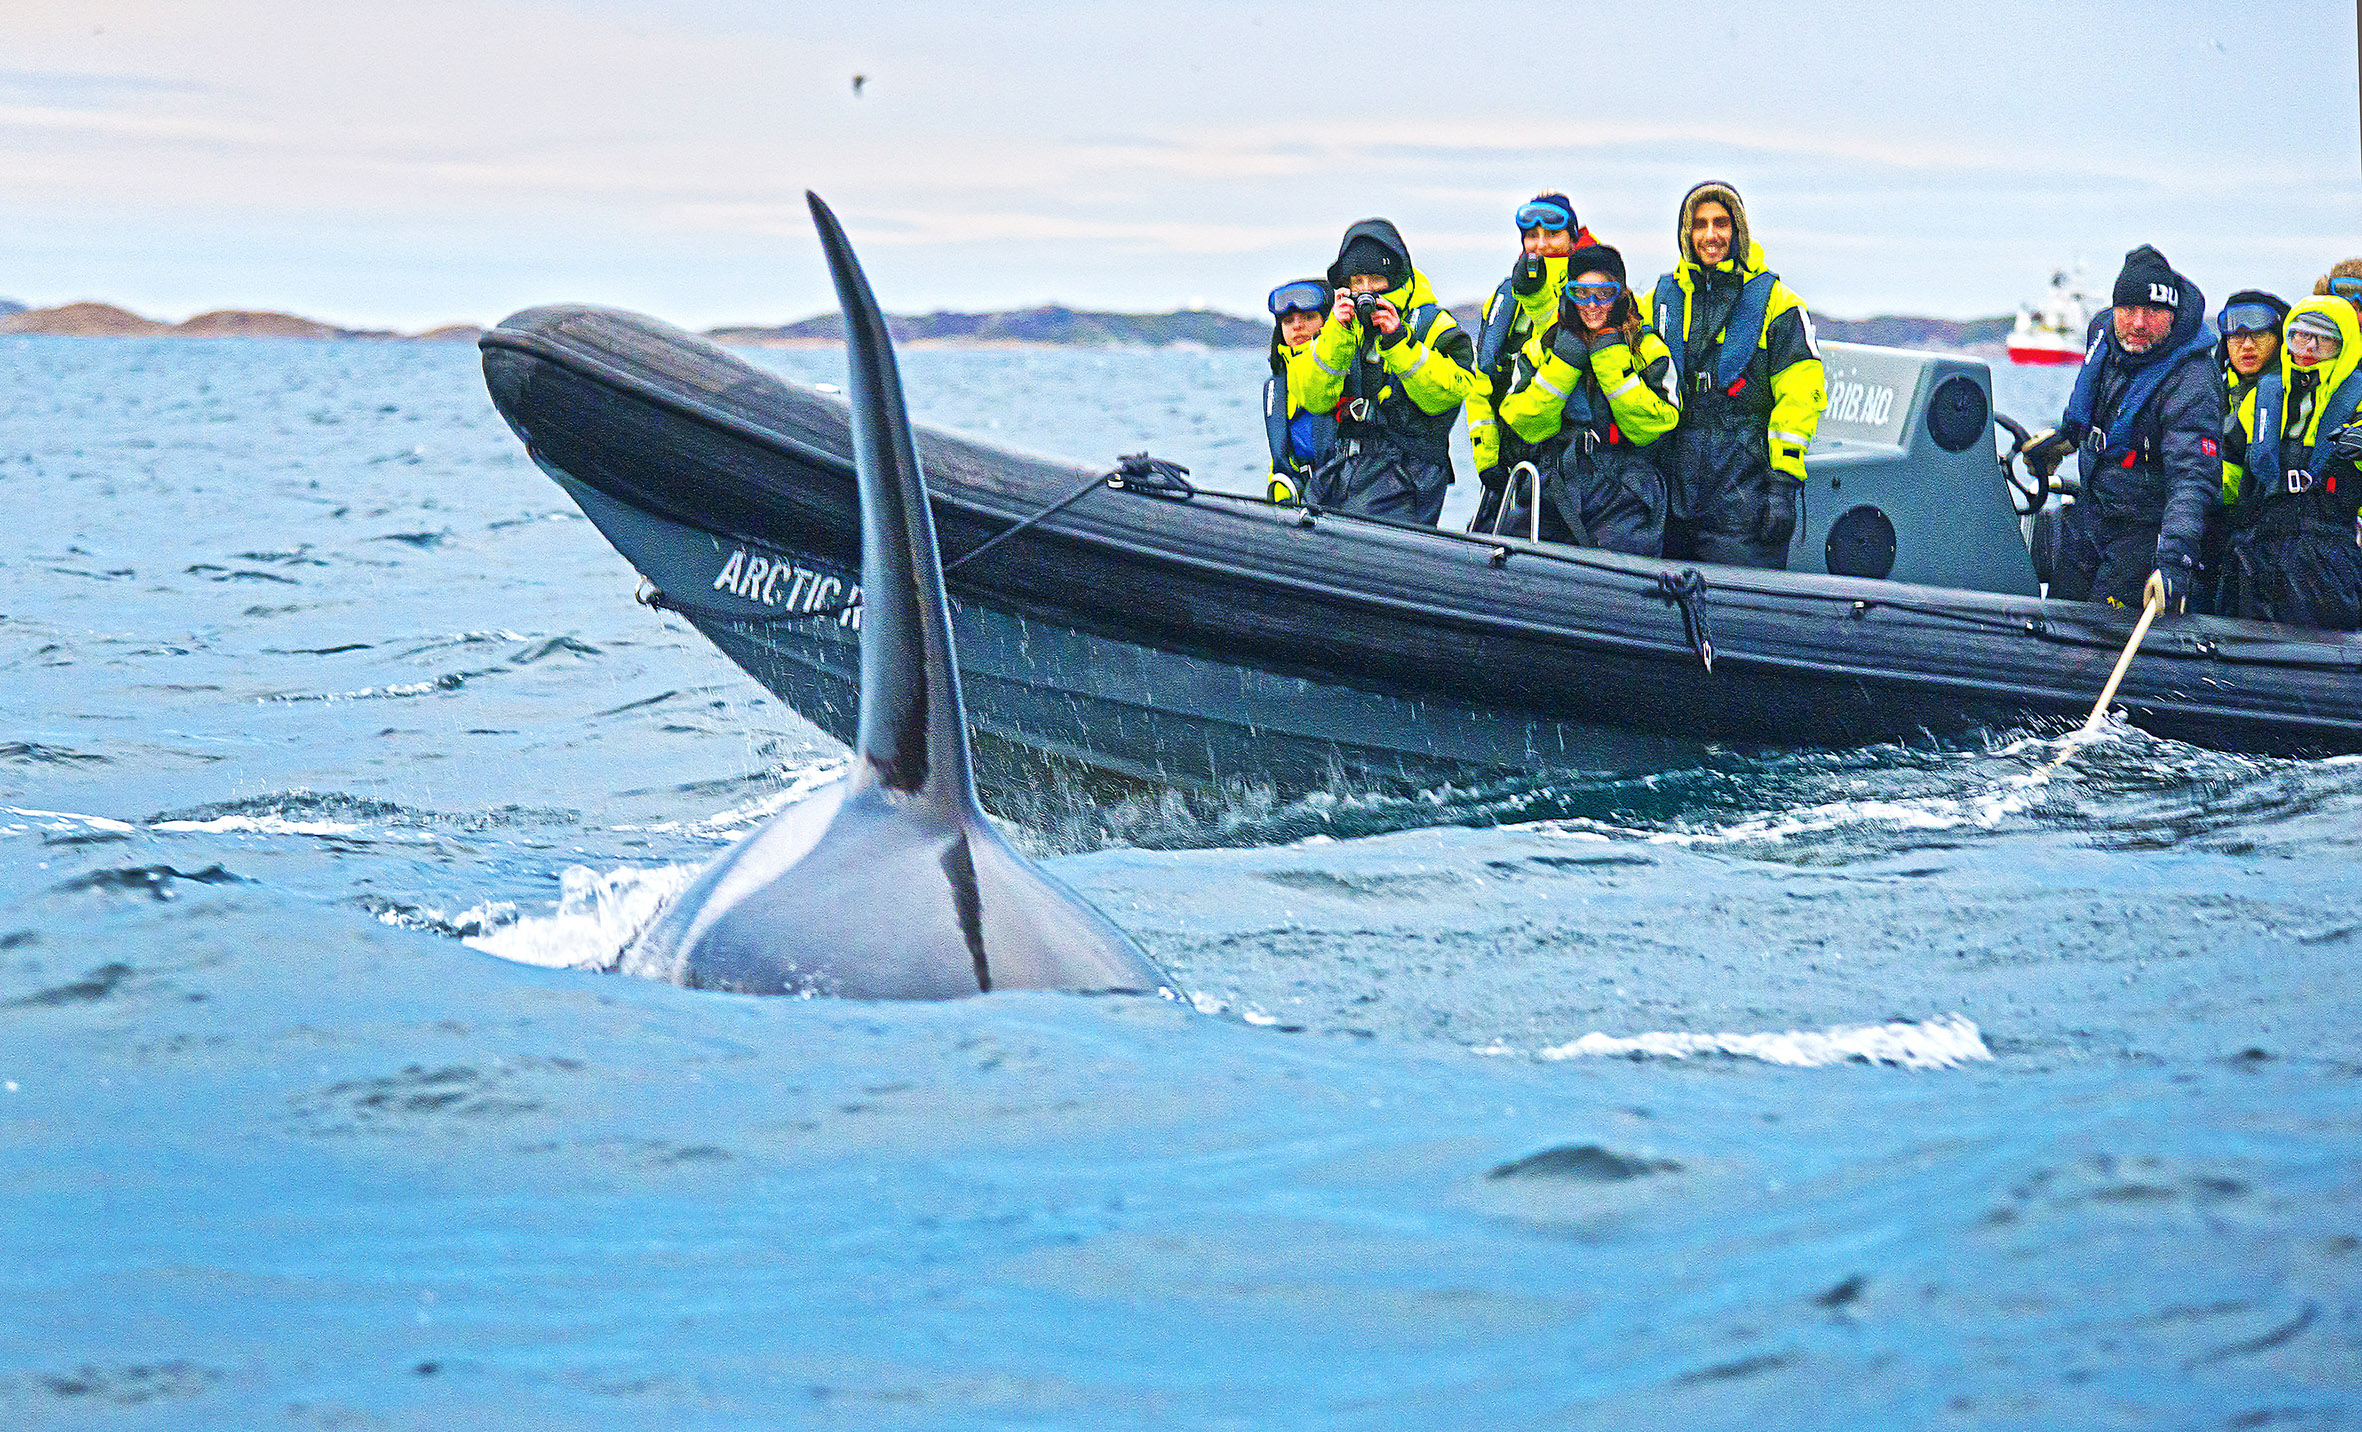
[(2148, 281), (2315, 322), (1368, 255), (1596, 258)]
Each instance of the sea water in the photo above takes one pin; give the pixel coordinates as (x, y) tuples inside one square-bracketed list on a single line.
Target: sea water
[(1914, 1086)]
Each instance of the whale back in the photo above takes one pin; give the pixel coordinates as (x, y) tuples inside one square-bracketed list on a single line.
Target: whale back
[(894, 884)]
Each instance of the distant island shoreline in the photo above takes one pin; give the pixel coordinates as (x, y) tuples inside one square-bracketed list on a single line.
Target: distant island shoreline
[(1046, 326)]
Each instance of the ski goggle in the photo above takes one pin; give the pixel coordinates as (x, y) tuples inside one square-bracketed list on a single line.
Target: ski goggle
[(1599, 293), (2347, 287), (2247, 318), (1539, 215), (1301, 296)]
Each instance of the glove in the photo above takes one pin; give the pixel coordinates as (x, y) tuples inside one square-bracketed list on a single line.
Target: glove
[(1283, 489), (1495, 476), (1484, 444), (1525, 280), (2345, 444), (2168, 588), (1778, 521), (2045, 450)]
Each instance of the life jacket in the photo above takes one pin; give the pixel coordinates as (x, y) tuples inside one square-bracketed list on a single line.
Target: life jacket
[(1742, 332), (2112, 443), (1288, 432), (2287, 475), (1500, 323), (1361, 416)]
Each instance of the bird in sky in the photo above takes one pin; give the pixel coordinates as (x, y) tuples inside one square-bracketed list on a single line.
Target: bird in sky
[(858, 82)]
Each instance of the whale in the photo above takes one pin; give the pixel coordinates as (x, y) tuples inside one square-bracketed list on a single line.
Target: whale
[(891, 883)]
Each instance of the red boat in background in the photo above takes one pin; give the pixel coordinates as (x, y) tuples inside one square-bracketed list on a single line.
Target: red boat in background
[(2052, 332)]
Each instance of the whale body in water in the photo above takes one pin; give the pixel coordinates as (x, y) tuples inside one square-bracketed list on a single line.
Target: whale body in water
[(893, 883)]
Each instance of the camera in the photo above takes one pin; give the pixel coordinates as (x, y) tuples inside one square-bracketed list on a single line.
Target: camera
[(1365, 308), (1526, 278)]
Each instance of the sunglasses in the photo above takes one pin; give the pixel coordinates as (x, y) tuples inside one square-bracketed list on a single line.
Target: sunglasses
[(1301, 296), (1602, 294), (1543, 216), (2347, 287), (2247, 318)]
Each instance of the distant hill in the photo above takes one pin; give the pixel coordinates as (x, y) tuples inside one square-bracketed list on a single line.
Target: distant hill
[(1890, 331), (1051, 323), (105, 320), (1886, 331), (82, 320), (10, 305)]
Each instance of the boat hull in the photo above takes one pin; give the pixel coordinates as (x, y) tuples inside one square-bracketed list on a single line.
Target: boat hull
[(2046, 357), (1222, 642)]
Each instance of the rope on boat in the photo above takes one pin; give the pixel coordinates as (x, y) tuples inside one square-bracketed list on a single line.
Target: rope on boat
[(1687, 590), (1134, 472)]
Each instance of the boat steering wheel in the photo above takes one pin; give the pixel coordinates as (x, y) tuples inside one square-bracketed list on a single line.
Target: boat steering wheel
[(2029, 496)]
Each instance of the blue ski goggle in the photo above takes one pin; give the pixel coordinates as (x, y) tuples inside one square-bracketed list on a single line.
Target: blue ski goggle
[(1301, 296), (2247, 318), (2347, 287), (1602, 294), (1538, 215)]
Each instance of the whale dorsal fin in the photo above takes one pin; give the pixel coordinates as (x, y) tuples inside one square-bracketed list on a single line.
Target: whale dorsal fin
[(914, 732)]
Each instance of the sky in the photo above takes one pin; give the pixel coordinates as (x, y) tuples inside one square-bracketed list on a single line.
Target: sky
[(405, 163)]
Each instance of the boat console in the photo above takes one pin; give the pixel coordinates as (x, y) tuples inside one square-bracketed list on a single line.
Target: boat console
[(1905, 484)]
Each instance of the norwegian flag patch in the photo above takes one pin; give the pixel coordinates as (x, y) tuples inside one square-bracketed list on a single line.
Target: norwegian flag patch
[(2210, 447)]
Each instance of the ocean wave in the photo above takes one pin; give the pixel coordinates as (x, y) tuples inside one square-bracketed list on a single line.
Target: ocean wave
[(597, 916), (1942, 1043)]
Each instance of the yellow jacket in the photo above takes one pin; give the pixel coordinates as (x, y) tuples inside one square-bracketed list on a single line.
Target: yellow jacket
[(1786, 357), (2300, 427), (1432, 379), (1536, 311), (1627, 381)]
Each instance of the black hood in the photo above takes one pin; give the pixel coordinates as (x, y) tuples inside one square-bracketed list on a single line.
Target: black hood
[(1381, 232), (2273, 301)]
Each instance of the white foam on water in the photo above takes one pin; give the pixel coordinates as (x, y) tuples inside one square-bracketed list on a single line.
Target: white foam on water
[(1984, 809), (366, 693), (62, 820), (597, 915), (258, 825), (1942, 1043), (732, 824)]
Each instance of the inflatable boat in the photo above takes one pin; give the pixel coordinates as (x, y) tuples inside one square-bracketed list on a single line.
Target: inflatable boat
[(1136, 625)]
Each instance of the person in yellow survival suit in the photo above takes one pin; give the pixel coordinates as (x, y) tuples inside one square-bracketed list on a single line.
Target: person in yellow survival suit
[(1752, 390), (1599, 392), (1394, 367), (1524, 304), (1299, 435), (2291, 456)]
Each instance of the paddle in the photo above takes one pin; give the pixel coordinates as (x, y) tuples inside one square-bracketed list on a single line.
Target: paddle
[(2099, 709)]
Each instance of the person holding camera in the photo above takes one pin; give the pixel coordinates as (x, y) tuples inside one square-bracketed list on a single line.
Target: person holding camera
[(1300, 435), (1600, 392), (1751, 389), (2146, 424), (1547, 232), (1395, 367)]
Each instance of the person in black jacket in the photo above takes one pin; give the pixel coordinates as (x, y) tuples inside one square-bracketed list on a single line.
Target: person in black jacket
[(2145, 423)]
